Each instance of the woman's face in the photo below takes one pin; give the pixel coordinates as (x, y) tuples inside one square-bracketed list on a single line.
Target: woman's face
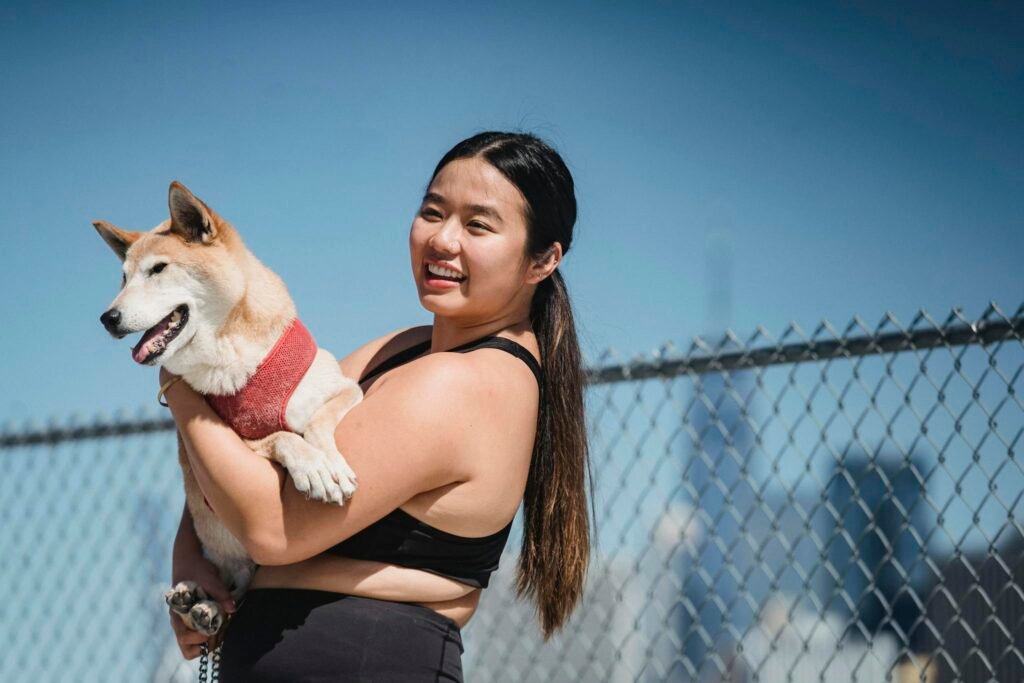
[(472, 221)]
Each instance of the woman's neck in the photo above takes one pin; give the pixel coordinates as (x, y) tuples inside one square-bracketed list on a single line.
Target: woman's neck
[(447, 334)]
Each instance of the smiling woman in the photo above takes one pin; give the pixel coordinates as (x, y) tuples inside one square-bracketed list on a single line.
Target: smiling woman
[(459, 230), (379, 588)]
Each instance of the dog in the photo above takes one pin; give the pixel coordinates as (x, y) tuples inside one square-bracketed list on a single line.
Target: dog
[(212, 313)]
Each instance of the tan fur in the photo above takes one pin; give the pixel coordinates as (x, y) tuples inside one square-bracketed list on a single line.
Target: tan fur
[(246, 308)]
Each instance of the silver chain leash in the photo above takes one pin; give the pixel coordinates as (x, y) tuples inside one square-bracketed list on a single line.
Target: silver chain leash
[(208, 661), (215, 665)]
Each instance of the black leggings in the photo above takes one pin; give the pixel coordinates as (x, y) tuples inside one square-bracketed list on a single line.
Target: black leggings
[(296, 634)]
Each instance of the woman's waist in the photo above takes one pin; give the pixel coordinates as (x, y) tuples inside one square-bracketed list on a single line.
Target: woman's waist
[(298, 604), (373, 579)]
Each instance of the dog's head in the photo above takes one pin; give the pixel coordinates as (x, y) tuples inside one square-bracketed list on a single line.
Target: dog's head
[(181, 279)]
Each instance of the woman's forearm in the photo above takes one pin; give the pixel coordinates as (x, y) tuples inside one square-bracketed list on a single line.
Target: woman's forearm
[(186, 544), (243, 488)]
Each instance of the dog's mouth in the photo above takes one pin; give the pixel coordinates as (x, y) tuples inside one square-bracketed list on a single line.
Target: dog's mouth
[(155, 340)]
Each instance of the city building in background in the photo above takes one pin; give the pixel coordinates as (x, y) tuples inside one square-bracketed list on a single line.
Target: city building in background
[(876, 548)]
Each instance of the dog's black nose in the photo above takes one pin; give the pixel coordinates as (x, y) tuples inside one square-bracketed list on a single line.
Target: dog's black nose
[(111, 320)]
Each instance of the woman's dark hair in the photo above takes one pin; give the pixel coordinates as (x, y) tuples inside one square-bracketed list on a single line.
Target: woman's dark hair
[(555, 552)]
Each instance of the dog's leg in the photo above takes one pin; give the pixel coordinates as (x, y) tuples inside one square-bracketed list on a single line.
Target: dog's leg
[(317, 474), (320, 431), (187, 599)]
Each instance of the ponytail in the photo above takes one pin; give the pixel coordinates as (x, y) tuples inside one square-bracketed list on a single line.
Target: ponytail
[(555, 552), (556, 531)]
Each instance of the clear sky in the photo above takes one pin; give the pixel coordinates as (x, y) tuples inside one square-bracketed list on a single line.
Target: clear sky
[(858, 160)]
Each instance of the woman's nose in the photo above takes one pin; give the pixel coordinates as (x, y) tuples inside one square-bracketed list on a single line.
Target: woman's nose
[(446, 240)]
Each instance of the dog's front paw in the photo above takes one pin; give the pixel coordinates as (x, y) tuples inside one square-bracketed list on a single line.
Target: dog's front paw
[(317, 474), (321, 476), (207, 617), (183, 596)]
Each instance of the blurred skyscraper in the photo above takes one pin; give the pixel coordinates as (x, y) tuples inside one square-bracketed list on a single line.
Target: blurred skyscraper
[(718, 480), (875, 547)]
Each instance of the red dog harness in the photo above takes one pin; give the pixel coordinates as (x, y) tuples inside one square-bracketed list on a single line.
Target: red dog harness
[(257, 410)]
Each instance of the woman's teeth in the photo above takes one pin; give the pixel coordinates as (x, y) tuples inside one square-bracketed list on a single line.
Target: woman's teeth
[(444, 272)]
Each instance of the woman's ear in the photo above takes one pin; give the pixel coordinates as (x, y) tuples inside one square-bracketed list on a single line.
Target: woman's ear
[(544, 265)]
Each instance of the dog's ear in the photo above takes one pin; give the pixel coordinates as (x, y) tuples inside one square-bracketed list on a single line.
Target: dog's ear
[(117, 239), (191, 219)]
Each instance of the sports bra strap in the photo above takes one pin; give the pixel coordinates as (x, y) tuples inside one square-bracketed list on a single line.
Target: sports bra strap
[(490, 341), (516, 349), (397, 359)]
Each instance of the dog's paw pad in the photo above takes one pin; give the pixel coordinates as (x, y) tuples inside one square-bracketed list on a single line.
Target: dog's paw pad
[(207, 617), (183, 596)]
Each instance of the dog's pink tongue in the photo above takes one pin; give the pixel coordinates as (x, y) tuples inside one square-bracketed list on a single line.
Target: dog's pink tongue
[(141, 352)]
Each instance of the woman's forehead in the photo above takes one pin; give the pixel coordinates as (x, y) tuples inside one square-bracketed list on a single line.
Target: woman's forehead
[(474, 181)]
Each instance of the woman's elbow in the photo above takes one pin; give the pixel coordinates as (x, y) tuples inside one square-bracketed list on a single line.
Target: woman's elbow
[(267, 549), (271, 550)]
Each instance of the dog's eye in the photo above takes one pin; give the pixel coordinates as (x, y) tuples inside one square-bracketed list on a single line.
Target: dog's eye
[(157, 268), (124, 279)]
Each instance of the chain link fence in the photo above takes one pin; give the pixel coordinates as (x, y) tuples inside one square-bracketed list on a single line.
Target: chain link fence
[(833, 506)]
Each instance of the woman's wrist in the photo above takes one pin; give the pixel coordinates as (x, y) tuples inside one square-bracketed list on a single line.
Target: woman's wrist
[(166, 375), (182, 400)]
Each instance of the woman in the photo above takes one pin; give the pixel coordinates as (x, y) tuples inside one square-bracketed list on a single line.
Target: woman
[(460, 422)]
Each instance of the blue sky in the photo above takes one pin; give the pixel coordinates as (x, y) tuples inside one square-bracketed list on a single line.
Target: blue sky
[(859, 160)]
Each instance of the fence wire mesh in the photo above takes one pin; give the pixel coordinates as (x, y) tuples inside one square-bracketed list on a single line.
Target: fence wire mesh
[(833, 506)]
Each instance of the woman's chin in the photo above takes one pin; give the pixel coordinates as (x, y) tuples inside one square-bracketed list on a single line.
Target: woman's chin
[(439, 305)]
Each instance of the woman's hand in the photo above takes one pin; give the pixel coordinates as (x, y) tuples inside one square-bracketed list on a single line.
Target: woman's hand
[(189, 642), (188, 564)]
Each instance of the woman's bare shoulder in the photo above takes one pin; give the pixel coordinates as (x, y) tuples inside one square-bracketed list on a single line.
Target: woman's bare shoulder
[(491, 384), (368, 355), (457, 406)]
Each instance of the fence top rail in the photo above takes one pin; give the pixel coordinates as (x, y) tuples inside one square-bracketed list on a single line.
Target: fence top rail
[(703, 359), (993, 327), (53, 434)]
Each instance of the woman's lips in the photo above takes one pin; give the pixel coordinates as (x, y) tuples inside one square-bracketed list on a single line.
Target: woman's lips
[(431, 280)]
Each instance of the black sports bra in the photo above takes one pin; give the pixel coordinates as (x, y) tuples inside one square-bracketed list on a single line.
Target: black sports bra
[(399, 538)]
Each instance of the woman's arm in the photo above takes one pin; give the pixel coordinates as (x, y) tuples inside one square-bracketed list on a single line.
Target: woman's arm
[(400, 441), (189, 564)]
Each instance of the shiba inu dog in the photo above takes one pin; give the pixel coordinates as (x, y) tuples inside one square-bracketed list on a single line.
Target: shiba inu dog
[(212, 313)]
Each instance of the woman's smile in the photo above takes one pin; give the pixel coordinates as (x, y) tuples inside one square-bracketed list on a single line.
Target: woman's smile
[(441, 276)]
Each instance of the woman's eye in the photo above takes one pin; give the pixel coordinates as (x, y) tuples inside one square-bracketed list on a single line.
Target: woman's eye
[(157, 268), (478, 224), (430, 213)]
